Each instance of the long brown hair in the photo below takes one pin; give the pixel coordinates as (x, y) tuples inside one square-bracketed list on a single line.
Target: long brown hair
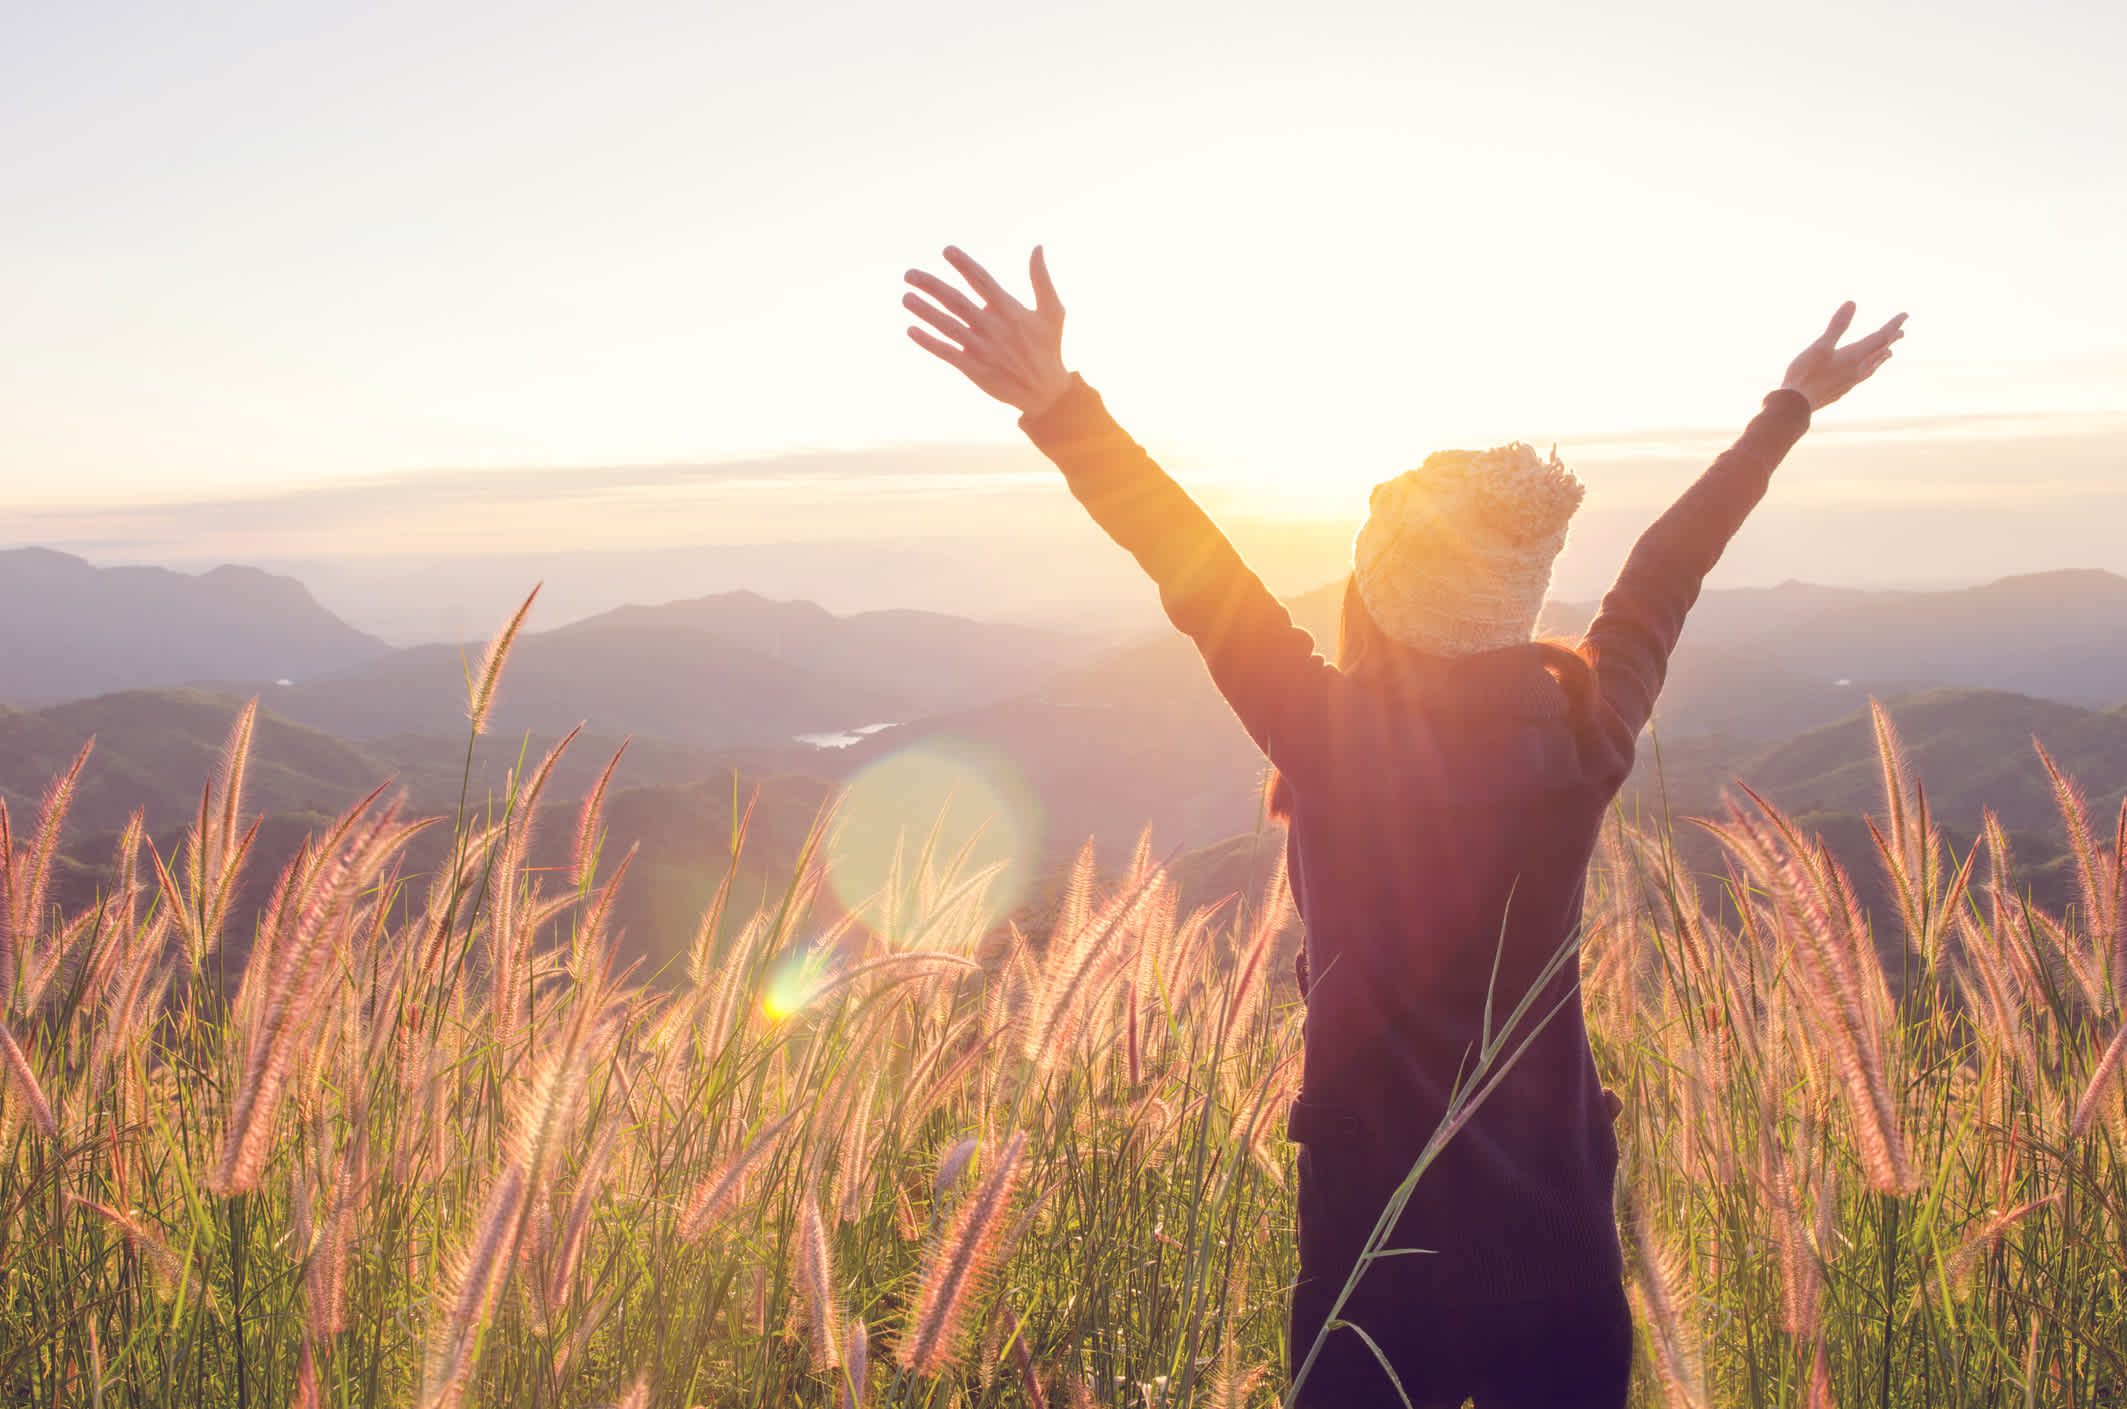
[(1367, 653)]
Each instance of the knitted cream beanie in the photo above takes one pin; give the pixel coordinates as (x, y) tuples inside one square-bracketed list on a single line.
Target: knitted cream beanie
[(1455, 556)]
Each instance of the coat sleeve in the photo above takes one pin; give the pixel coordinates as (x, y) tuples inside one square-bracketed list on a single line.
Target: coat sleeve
[(1642, 615), (1264, 665)]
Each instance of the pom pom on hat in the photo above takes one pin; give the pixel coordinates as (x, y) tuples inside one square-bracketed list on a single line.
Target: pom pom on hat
[(1455, 556)]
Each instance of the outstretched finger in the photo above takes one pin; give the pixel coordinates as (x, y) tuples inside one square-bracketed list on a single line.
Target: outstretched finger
[(1836, 329), (986, 288), (1886, 335), (943, 351), (956, 303), (945, 323), (1046, 303)]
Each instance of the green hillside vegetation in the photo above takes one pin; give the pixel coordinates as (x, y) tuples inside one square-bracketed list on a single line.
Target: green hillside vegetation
[(154, 748)]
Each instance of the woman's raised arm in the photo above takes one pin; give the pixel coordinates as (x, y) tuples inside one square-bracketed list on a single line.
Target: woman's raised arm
[(1265, 666), (1643, 613)]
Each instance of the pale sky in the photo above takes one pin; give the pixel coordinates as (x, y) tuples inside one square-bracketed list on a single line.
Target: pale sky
[(249, 249)]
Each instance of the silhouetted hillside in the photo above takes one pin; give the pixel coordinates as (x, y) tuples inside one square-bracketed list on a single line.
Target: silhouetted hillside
[(74, 630), (1727, 615), (935, 661), (1972, 748), (154, 751), (720, 672), (681, 685), (2056, 635), (155, 748)]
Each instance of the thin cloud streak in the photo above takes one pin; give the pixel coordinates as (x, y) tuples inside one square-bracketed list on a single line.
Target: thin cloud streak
[(979, 491)]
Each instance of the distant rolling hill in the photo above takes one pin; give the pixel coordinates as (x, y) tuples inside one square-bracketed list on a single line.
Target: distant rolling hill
[(1972, 749), (718, 672), (2056, 635), (155, 748), (1140, 734), (1807, 650), (74, 630), (935, 661), (684, 686)]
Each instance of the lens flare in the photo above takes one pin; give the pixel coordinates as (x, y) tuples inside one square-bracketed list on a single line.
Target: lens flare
[(795, 980), (932, 800)]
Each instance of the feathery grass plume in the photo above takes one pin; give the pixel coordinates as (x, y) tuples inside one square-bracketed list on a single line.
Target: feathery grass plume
[(10, 884), (1231, 1385), (1672, 1345), (2096, 880), (590, 1180), (1819, 1393), (25, 1082), (853, 1172), (26, 879), (326, 1274), (934, 1092), (480, 686), (1262, 1110), (638, 1395), (2104, 1077), (725, 1016), (1075, 907), (171, 1272), (856, 1364), (1912, 854), (591, 930), (1991, 990), (510, 928), (1186, 963), (1835, 974), (229, 780), (958, 1266), (306, 1380), (2117, 905), (590, 821), (714, 1196), (478, 1272), (1248, 980), (214, 854), (1953, 1277), (131, 997), (1801, 1280), (1078, 965), (1022, 1357), (337, 873), (817, 1300)]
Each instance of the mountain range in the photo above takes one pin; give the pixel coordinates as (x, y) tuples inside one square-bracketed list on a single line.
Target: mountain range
[(1103, 738), (73, 629)]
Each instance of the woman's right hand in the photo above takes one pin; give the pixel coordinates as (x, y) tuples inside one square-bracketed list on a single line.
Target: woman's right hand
[(1825, 371), (1013, 352)]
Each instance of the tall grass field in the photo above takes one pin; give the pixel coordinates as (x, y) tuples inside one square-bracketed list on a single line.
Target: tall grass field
[(428, 1145)]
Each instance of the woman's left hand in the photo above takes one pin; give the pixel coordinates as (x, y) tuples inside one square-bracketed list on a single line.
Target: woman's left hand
[(1013, 352)]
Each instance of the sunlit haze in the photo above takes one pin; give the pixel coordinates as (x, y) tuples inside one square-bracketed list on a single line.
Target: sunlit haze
[(250, 251)]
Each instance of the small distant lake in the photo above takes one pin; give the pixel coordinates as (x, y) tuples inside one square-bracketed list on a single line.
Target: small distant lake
[(843, 738)]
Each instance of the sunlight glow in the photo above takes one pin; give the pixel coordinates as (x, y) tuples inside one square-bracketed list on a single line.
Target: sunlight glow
[(933, 800)]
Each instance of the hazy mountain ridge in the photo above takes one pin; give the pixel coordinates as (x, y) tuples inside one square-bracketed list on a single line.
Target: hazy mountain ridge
[(154, 749), (77, 630), (1973, 749), (1105, 744), (936, 661), (684, 686), (727, 671)]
